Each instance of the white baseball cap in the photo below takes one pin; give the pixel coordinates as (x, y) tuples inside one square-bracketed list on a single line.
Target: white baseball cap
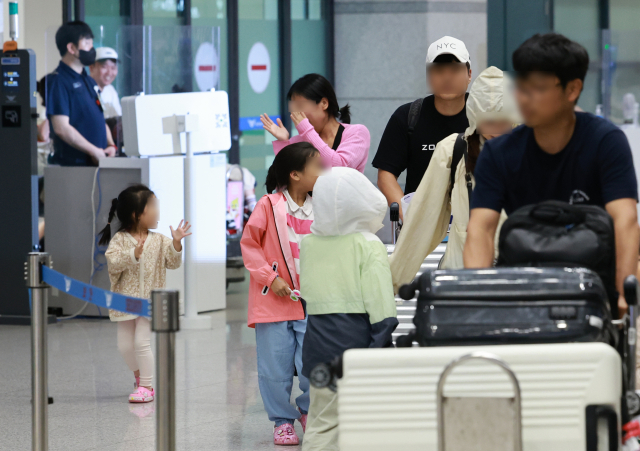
[(106, 53), (448, 46)]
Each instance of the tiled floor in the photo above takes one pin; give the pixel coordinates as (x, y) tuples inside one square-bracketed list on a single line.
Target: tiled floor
[(218, 401)]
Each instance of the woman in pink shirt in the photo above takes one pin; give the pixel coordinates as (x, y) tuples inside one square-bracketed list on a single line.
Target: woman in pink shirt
[(315, 114)]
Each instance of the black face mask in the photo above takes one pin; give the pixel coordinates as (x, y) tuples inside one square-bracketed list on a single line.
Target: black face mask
[(87, 57)]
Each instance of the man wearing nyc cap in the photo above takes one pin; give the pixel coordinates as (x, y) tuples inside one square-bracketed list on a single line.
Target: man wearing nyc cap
[(440, 115), (80, 135), (104, 71)]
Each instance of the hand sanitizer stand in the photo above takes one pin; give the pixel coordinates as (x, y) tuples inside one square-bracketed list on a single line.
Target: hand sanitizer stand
[(175, 125)]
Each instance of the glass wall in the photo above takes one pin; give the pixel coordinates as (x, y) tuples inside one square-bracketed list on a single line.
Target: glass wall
[(259, 56), (309, 40), (167, 50), (213, 13), (624, 70), (625, 54), (163, 12), (105, 19), (169, 59), (579, 20)]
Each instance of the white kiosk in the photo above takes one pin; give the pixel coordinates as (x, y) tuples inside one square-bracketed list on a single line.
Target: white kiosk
[(163, 126), (157, 160)]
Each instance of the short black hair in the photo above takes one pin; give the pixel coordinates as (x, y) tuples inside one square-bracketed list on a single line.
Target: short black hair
[(72, 32), (449, 58), (552, 53)]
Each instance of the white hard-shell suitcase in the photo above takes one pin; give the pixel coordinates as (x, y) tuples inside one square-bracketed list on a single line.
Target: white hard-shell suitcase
[(387, 397)]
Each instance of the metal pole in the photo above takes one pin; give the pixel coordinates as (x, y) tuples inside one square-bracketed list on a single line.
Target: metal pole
[(164, 322), (39, 390), (191, 318), (191, 309)]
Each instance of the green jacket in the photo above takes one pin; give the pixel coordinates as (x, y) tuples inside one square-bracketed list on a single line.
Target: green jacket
[(346, 274), (344, 270)]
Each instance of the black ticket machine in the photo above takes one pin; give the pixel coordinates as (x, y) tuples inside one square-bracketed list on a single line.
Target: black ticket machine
[(18, 178)]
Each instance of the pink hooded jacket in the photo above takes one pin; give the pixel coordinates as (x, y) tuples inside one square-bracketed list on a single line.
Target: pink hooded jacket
[(265, 245), (353, 151)]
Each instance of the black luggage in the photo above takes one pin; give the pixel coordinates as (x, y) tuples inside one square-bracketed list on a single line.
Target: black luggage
[(510, 305), (555, 233)]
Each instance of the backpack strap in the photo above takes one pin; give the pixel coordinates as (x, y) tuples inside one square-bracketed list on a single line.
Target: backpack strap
[(460, 151), (414, 115)]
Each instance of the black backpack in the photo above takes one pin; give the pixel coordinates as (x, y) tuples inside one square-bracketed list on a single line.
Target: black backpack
[(459, 148), (554, 233)]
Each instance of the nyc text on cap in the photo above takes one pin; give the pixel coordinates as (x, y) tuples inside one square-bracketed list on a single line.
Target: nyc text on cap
[(448, 46)]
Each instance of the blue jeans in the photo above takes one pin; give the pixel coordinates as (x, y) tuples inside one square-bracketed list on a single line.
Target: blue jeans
[(279, 349)]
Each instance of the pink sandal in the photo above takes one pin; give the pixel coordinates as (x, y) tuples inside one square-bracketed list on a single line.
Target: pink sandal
[(142, 394), (285, 435)]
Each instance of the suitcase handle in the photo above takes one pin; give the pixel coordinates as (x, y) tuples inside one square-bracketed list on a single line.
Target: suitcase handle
[(408, 291), (394, 215), (631, 290), (394, 212), (594, 413), (558, 213)]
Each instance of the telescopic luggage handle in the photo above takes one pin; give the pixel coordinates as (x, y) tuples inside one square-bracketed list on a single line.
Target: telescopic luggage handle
[(394, 214), (631, 292)]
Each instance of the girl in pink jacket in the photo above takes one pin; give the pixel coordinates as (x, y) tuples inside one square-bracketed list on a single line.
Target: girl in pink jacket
[(315, 113), (271, 252)]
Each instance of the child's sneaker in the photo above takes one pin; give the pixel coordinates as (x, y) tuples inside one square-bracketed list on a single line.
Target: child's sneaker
[(285, 435), (303, 420), (142, 394)]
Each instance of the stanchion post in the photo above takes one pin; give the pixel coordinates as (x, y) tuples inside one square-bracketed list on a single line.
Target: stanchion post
[(165, 306), (39, 374)]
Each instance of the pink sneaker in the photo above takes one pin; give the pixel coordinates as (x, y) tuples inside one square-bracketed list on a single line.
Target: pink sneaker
[(303, 421), (285, 435), (142, 394)]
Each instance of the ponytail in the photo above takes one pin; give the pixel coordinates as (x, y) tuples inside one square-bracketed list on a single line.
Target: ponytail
[(105, 235), (345, 114), (128, 206), (292, 158), (272, 179)]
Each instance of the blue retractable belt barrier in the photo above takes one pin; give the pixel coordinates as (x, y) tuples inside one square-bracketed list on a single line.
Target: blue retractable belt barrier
[(95, 295)]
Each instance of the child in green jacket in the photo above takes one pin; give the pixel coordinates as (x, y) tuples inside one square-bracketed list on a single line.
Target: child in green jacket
[(346, 282)]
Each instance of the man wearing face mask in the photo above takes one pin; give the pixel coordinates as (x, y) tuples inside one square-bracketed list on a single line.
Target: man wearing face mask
[(80, 135)]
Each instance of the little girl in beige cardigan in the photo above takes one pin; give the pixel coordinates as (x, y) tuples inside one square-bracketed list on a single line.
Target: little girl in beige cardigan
[(138, 260)]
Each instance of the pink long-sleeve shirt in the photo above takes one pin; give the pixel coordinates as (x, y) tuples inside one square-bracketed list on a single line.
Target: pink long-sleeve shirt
[(353, 151)]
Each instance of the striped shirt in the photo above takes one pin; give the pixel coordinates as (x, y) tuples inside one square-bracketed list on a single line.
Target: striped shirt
[(299, 221)]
